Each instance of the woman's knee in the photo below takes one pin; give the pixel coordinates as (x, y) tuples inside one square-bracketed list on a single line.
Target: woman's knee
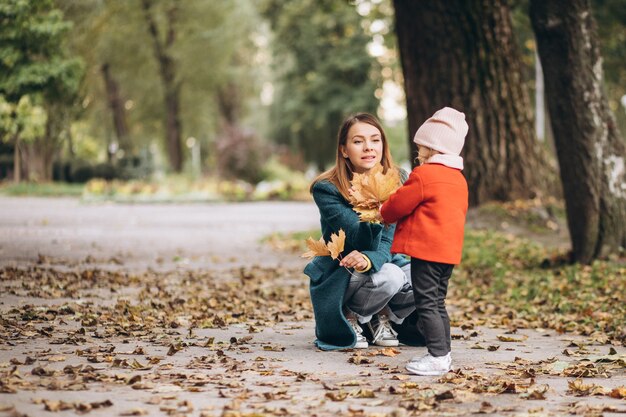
[(390, 278)]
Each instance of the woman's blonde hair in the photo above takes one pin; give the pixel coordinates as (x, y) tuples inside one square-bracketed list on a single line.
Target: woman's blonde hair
[(341, 174)]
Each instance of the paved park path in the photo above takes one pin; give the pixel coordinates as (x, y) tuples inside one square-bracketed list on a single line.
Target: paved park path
[(112, 309)]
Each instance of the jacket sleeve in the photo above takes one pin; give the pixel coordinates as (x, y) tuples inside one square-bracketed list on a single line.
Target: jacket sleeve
[(382, 254), (404, 200), (339, 215)]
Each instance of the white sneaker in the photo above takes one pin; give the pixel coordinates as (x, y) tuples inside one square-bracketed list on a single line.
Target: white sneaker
[(430, 365), (361, 341), (419, 358), (382, 333)]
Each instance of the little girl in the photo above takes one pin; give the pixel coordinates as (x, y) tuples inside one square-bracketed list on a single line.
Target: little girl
[(430, 211)]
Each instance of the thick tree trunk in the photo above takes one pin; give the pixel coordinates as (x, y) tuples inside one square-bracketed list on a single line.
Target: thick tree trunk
[(590, 151), (461, 53), (171, 87), (116, 104)]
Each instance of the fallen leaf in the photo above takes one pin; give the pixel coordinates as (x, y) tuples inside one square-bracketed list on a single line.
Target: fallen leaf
[(619, 392), (337, 396), (505, 338)]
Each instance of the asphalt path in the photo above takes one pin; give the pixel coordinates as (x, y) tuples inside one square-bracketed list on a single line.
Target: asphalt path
[(138, 236)]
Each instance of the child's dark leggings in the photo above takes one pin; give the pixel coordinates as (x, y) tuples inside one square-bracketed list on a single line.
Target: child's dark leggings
[(430, 286)]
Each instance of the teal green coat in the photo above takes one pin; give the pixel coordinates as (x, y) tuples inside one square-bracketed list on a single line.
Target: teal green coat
[(328, 280)]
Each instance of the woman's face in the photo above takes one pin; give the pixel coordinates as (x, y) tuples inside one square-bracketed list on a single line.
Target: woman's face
[(364, 147)]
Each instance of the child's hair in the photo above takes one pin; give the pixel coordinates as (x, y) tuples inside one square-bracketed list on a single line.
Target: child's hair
[(341, 174), (419, 159)]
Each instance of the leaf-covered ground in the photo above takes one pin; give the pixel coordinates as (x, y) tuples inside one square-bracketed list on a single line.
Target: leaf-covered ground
[(531, 337)]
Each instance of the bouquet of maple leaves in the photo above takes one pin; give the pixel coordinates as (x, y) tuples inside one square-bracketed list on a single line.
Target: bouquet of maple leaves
[(367, 193), (370, 190)]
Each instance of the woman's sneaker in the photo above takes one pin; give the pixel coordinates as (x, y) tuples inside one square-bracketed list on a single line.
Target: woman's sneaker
[(430, 365), (381, 332), (361, 341)]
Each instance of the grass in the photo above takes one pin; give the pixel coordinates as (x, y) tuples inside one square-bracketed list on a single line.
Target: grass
[(47, 189), (536, 287)]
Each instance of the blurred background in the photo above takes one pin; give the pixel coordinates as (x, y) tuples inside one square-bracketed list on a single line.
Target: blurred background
[(228, 99)]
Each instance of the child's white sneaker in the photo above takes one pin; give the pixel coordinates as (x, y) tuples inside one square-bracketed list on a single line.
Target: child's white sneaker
[(429, 365), (419, 358)]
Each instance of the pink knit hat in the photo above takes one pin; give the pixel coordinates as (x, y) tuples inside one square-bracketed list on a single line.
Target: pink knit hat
[(444, 132)]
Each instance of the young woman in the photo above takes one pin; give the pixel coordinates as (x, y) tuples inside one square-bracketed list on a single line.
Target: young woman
[(368, 286)]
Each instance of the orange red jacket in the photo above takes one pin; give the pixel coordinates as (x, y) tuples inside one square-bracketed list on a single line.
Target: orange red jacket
[(430, 211)]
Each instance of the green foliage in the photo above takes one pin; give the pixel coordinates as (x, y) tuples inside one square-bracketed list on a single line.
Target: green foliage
[(212, 47), (324, 73), (32, 60), (24, 120)]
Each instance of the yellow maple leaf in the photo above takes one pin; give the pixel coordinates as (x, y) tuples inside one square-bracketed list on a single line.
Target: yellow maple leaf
[(369, 215), (316, 248), (336, 244), (370, 190)]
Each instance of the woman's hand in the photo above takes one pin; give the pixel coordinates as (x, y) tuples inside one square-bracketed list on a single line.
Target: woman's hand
[(354, 259)]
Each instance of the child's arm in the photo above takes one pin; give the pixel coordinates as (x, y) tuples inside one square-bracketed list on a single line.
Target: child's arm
[(404, 200)]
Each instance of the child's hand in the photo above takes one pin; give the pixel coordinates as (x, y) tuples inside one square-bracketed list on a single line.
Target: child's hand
[(354, 259)]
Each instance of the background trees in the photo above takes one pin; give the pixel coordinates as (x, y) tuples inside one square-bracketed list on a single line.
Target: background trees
[(236, 84), (157, 67), (38, 81), (590, 149), (323, 73)]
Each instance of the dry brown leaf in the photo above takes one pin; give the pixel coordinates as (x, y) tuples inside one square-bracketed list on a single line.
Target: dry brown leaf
[(505, 338), (316, 248), (578, 388), (358, 359), (134, 412), (619, 392), (389, 352), (363, 393), (374, 187), (332, 248), (336, 244), (370, 190), (369, 215), (337, 396)]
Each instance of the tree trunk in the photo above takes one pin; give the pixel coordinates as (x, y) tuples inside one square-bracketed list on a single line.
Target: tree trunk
[(461, 53), (171, 87), (17, 161), (590, 150), (116, 104), (39, 154)]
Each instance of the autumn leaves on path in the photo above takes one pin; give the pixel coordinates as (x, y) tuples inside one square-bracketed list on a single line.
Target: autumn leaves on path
[(239, 342)]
